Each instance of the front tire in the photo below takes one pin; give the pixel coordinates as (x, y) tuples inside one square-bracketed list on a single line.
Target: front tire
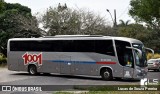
[(32, 70), (106, 74)]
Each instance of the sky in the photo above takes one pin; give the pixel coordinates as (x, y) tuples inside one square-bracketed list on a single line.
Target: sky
[(97, 6)]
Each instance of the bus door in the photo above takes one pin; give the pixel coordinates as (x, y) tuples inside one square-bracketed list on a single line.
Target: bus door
[(65, 67), (125, 58), (128, 70)]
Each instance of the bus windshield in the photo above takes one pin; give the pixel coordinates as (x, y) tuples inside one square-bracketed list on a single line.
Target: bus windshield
[(141, 62)]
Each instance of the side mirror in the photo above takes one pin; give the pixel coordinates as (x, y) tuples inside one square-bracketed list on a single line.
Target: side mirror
[(138, 50), (150, 50)]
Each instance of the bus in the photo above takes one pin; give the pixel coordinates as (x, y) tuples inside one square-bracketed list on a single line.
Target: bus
[(92, 55)]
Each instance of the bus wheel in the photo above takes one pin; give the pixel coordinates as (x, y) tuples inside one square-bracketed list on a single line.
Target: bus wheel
[(32, 70), (106, 74)]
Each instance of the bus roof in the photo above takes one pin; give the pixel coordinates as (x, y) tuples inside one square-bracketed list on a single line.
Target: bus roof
[(78, 37)]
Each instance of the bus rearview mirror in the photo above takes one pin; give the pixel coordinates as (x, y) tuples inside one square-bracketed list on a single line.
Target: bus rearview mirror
[(150, 50), (138, 50)]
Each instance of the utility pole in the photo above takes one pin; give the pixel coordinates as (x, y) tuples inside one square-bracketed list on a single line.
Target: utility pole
[(115, 18)]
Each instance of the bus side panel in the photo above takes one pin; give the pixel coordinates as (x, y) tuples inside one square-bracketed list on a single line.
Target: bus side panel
[(90, 64), (107, 62), (15, 61), (12, 62), (48, 63), (86, 69), (82, 64), (49, 67), (67, 63)]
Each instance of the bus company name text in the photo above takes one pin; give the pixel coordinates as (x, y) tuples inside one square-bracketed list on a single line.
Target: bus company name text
[(32, 58)]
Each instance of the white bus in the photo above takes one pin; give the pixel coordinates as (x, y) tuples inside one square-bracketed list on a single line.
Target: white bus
[(91, 55)]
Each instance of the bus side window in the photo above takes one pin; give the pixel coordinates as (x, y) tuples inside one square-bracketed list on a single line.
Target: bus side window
[(104, 47), (84, 45)]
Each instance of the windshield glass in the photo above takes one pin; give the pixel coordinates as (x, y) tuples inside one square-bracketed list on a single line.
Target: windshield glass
[(141, 62)]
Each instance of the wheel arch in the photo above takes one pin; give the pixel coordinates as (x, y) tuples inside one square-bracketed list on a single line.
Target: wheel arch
[(105, 67), (30, 66)]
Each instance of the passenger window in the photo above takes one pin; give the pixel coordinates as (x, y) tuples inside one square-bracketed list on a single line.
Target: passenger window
[(104, 47), (84, 45)]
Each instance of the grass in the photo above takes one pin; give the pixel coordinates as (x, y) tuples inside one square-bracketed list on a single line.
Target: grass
[(63, 93), (3, 60), (3, 65), (105, 90), (111, 92), (122, 92)]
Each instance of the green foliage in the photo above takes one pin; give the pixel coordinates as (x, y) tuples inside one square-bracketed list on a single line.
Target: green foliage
[(155, 56), (2, 6), (136, 31), (147, 11), (63, 20), (25, 11), (122, 23), (148, 36), (3, 59), (16, 21), (121, 92), (63, 92)]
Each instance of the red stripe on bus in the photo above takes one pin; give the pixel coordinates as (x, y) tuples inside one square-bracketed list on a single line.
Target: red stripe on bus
[(105, 62)]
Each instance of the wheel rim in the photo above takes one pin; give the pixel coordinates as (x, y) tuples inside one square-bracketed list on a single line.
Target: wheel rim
[(32, 70), (106, 74)]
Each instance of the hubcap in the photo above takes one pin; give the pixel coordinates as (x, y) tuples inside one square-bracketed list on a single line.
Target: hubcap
[(32, 71), (106, 74)]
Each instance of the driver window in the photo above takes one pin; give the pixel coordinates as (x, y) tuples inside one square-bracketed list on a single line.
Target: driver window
[(128, 59), (125, 56)]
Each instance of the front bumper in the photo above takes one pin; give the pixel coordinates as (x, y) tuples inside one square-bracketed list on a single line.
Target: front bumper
[(140, 73)]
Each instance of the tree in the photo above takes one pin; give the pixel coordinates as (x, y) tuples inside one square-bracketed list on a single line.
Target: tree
[(136, 31), (123, 23), (147, 11), (63, 20), (1, 6), (16, 21)]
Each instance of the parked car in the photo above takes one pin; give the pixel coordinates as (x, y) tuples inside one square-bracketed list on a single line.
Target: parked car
[(154, 64)]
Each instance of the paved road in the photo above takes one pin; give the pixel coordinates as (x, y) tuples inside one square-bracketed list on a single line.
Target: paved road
[(23, 78), (154, 75)]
